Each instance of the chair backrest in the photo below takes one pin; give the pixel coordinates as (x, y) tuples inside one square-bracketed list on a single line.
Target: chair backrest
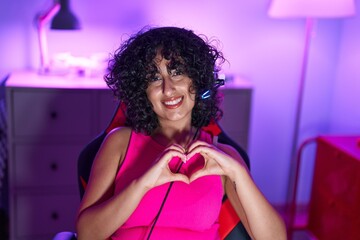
[(231, 227)]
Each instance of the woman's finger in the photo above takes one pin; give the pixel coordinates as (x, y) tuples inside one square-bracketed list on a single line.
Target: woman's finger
[(179, 177), (169, 154), (177, 147), (205, 150), (196, 144)]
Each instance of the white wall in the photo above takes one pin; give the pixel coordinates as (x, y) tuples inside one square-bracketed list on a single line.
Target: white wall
[(268, 52), (345, 112)]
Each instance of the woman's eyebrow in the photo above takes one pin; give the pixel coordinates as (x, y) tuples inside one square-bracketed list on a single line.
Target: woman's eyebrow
[(175, 64)]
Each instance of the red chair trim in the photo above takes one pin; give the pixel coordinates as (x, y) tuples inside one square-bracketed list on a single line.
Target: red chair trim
[(228, 219), (119, 118), (83, 182)]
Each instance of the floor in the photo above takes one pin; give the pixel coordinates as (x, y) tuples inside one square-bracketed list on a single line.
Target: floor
[(302, 235), (4, 225)]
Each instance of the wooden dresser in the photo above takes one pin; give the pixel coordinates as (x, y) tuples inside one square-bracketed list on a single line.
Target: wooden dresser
[(50, 119)]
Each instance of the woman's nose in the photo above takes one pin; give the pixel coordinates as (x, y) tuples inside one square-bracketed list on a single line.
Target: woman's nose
[(168, 86)]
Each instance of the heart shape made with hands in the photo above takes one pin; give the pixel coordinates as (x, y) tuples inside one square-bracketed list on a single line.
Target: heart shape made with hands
[(189, 167)]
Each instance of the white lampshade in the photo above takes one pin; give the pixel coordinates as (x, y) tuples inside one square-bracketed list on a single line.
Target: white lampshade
[(311, 8)]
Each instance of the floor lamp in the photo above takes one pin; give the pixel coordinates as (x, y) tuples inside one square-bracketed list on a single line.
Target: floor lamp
[(310, 10)]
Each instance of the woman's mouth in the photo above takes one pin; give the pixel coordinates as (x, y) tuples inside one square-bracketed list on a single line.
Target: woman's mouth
[(174, 103)]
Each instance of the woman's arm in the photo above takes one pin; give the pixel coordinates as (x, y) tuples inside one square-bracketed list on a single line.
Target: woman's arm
[(101, 212), (259, 217), (235, 202)]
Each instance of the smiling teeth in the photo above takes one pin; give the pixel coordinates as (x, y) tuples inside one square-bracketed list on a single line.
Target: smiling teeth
[(173, 102)]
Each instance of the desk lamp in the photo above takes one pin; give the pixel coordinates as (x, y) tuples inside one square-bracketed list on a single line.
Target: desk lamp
[(62, 19)]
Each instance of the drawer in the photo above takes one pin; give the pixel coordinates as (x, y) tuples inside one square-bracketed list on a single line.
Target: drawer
[(236, 109), (45, 165), (51, 113), (42, 216)]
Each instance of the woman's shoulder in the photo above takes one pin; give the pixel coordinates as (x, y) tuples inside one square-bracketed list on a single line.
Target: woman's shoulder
[(205, 136), (118, 137), (119, 133), (114, 146), (226, 147), (230, 150)]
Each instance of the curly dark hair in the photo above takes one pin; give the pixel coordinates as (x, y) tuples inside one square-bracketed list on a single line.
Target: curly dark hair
[(133, 63)]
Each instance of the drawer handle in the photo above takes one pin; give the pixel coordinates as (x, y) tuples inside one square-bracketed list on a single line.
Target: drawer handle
[(53, 115), (54, 216), (54, 166)]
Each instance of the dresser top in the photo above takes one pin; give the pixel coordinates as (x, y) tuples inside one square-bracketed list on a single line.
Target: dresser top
[(32, 79)]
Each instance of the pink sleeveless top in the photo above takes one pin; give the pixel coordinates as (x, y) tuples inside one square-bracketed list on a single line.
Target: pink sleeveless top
[(191, 210)]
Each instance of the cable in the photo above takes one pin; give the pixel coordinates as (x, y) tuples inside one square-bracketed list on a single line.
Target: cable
[(167, 193), (162, 205), (220, 81)]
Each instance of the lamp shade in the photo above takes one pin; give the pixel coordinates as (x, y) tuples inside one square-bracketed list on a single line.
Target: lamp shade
[(311, 8), (65, 19)]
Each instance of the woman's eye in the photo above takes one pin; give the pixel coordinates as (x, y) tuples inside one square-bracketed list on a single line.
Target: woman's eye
[(176, 72), (156, 78)]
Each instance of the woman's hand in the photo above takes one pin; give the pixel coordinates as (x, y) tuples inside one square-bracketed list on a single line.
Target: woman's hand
[(217, 162), (160, 172), (259, 218)]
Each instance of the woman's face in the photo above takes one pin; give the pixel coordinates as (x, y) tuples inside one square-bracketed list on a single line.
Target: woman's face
[(169, 94)]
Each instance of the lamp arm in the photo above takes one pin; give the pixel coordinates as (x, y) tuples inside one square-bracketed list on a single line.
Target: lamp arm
[(41, 21)]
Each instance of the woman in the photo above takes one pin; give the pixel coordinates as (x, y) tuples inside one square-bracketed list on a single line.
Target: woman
[(160, 75)]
